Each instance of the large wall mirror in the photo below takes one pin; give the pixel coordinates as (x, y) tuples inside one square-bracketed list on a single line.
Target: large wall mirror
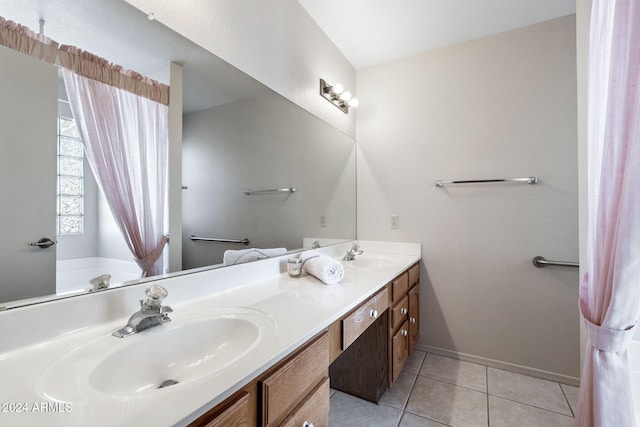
[(238, 136)]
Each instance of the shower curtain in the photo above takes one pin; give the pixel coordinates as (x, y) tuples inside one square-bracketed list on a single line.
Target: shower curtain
[(610, 290), (123, 121)]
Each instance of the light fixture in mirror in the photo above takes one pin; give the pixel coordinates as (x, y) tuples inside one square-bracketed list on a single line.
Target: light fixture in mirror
[(237, 135)]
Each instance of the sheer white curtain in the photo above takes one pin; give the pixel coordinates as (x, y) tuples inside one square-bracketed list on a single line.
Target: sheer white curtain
[(126, 141), (610, 291)]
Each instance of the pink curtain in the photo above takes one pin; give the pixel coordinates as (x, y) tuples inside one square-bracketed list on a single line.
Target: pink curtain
[(126, 142), (610, 290)]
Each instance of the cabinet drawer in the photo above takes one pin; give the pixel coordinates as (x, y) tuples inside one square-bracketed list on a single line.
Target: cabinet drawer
[(414, 275), (399, 287), (235, 415), (314, 410), (399, 313), (399, 350), (354, 324), (286, 387)]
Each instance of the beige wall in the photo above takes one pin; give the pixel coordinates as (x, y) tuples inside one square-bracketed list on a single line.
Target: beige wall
[(502, 106)]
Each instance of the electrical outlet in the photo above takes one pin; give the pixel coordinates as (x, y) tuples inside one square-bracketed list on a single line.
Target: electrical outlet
[(395, 222), (323, 221)]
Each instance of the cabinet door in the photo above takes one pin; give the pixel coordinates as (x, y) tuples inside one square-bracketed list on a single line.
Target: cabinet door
[(414, 317), (314, 411), (399, 350)]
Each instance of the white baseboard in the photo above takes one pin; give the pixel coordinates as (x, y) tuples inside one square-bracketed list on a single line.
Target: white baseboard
[(506, 366)]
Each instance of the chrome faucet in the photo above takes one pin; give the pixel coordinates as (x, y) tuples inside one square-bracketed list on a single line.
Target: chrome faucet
[(351, 255), (152, 313)]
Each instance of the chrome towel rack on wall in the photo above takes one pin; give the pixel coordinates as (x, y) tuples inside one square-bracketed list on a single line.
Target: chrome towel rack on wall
[(540, 262), (274, 190), (528, 180), (213, 239)]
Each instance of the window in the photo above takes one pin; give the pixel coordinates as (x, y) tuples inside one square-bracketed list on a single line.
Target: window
[(70, 209)]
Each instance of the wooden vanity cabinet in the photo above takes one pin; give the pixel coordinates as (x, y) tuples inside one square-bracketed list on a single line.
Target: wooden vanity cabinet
[(405, 331), (368, 354), (294, 392), (284, 391), (237, 411)]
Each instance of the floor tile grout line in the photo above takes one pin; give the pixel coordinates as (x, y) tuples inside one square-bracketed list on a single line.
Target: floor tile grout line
[(567, 400), (532, 406), (457, 385), (427, 418)]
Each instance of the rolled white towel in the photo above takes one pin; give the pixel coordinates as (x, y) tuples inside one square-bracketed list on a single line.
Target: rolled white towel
[(325, 268), (252, 254)]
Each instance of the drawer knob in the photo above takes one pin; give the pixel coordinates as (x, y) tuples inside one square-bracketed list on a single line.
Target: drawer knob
[(373, 313), (412, 320), (404, 333), (307, 424), (404, 310)]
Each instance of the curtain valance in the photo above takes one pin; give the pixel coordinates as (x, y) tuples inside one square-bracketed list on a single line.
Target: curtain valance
[(92, 66), (20, 38)]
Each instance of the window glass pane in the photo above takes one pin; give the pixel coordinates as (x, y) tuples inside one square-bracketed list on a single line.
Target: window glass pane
[(68, 127), (70, 179), (70, 224), (70, 186), (70, 147), (69, 166), (70, 205)]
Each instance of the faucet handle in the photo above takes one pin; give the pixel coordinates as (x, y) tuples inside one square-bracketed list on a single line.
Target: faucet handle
[(155, 295)]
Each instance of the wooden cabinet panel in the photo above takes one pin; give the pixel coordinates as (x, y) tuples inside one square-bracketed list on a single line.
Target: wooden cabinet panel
[(239, 410), (414, 317), (313, 410), (355, 323), (414, 275), (399, 350), (362, 370), (236, 415), (399, 312), (399, 287), (288, 385)]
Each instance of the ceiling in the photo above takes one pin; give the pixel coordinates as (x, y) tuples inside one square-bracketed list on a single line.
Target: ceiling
[(370, 32)]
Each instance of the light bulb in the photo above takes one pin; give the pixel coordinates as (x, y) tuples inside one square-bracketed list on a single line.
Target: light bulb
[(353, 102), (337, 88), (345, 96)]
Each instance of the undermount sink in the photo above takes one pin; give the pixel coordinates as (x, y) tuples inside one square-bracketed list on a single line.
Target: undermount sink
[(187, 349)]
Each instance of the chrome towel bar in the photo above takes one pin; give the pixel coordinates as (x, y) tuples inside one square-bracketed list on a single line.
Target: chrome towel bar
[(274, 190), (528, 180), (212, 239), (540, 262)]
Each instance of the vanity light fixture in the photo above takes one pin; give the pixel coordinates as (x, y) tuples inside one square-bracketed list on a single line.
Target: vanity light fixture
[(338, 96)]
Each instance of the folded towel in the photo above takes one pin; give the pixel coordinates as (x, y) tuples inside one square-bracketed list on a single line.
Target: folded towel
[(322, 267), (253, 254)]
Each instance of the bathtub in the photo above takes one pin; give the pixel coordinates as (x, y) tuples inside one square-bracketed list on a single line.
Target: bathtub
[(73, 275)]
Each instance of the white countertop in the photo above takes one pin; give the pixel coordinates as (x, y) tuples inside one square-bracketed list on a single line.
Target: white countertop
[(298, 309)]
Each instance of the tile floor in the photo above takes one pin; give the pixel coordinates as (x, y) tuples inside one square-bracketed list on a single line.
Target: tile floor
[(436, 391)]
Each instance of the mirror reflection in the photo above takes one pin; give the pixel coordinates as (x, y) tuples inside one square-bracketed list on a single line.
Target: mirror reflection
[(238, 139)]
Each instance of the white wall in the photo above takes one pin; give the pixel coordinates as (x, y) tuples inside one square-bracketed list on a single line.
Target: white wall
[(275, 42), (261, 143), (503, 106)]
